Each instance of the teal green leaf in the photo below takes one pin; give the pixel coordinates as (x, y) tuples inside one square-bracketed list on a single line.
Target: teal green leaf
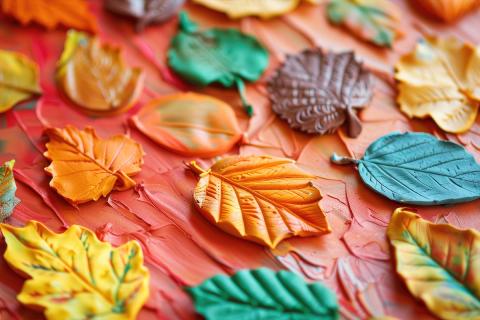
[(263, 294), (376, 21), (417, 168), (223, 56), (7, 190)]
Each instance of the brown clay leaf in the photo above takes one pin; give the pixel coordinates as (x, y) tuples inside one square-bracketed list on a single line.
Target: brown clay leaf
[(85, 167), (317, 92), (260, 198), (145, 11)]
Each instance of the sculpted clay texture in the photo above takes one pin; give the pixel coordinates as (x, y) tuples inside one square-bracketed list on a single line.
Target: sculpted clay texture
[(180, 246)]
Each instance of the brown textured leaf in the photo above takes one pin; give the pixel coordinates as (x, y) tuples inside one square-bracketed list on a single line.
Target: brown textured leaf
[(317, 92), (260, 198), (85, 167)]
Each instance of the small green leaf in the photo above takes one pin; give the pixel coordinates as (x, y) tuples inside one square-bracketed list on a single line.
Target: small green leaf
[(7, 190), (224, 56), (417, 168), (263, 294)]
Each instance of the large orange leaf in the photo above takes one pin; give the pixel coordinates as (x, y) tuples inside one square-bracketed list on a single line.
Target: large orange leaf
[(190, 124), (95, 77), (51, 13), (260, 198), (85, 167)]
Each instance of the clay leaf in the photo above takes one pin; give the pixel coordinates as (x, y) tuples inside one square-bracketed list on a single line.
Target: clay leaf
[(145, 11), (439, 264), (223, 56), (448, 10), (242, 8), (85, 167), (317, 92), (95, 77), (52, 13), (190, 124), (73, 275), (263, 294), (377, 21), (260, 198), (18, 79), (7, 190), (441, 79), (417, 168)]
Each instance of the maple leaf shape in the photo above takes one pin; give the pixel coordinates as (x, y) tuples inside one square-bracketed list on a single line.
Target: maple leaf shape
[(317, 92), (95, 77), (441, 79), (260, 198), (52, 13), (74, 275), (85, 167)]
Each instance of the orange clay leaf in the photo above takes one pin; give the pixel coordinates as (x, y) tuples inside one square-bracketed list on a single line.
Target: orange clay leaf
[(85, 167), (190, 124), (95, 77), (448, 10), (260, 198), (441, 79), (52, 13), (439, 264), (73, 275)]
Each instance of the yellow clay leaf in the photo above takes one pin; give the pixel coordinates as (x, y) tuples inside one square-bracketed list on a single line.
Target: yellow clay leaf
[(95, 77), (85, 167), (260, 198), (73, 275), (441, 79), (18, 79), (242, 8)]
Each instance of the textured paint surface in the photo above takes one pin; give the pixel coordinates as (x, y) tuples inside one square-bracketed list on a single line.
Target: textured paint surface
[(180, 246), (448, 10), (74, 275), (439, 264), (243, 8), (8, 201), (417, 168), (263, 294), (190, 124)]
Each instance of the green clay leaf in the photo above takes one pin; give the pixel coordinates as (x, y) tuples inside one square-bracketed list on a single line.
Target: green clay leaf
[(376, 21), (417, 168), (263, 294), (223, 56), (7, 190)]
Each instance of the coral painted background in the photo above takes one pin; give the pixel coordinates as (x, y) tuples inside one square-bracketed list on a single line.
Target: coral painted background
[(180, 247)]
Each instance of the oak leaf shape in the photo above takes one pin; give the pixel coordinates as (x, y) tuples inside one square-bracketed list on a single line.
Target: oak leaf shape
[(85, 167), (317, 92), (448, 10), (190, 124), (18, 79), (52, 13), (263, 294), (8, 201), (73, 275), (95, 77), (260, 198), (377, 21), (242, 8), (439, 264), (441, 79)]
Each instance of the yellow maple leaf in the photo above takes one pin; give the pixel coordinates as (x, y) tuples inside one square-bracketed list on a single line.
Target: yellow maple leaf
[(441, 79), (74, 275), (260, 198), (242, 8), (85, 167), (18, 79)]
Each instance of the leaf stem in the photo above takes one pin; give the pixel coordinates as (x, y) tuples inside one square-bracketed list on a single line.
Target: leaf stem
[(186, 24), (197, 169), (341, 160), (241, 90)]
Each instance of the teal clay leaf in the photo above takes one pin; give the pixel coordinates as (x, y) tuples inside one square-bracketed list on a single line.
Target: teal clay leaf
[(263, 294), (224, 56), (7, 190), (417, 168)]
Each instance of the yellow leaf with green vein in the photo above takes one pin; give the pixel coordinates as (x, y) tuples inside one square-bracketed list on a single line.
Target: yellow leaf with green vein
[(76, 276), (18, 79), (439, 263)]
